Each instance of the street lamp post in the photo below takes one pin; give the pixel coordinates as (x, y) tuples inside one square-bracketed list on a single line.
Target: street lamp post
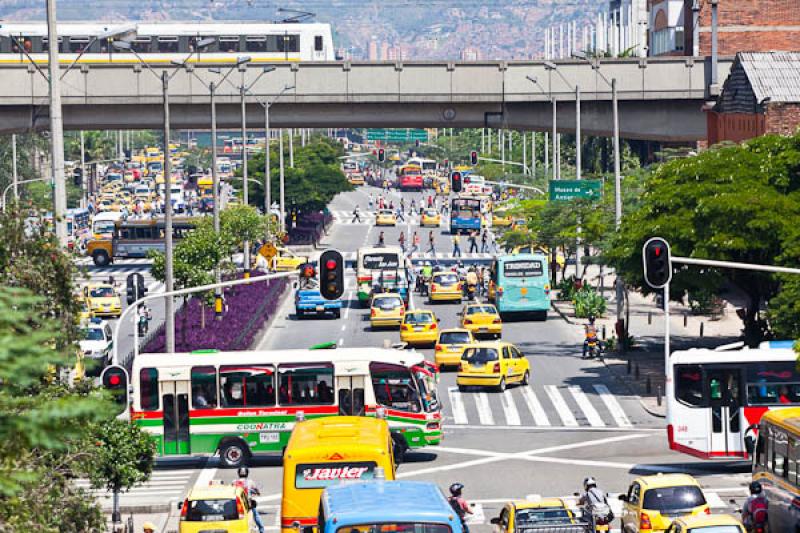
[(281, 177), (245, 192), (56, 128), (14, 176)]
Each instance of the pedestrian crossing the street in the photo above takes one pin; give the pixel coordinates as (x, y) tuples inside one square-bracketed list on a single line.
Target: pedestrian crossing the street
[(433, 256), (542, 406), (162, 486), (133, 261)]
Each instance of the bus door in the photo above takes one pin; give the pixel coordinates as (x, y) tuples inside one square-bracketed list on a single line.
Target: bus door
[(725, 401), (175, 402), (350, 395)]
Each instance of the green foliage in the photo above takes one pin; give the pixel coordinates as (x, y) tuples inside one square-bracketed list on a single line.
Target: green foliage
[(588, 302), (124, 455), (566, 288), (784, 309), (736, 203)]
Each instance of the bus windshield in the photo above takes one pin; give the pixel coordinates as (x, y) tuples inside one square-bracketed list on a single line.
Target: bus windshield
[(395, 387)]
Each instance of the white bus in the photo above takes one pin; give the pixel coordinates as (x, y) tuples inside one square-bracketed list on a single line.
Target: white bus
[(103, 223), (240, 403), (715, 398), (428, 166)]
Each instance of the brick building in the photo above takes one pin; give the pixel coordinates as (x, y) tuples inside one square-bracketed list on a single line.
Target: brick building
[(761, 95), (744, 25)]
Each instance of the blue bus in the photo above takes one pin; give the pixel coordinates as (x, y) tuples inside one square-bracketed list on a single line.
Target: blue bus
[(386, 506), (520, 283), (465, 215)]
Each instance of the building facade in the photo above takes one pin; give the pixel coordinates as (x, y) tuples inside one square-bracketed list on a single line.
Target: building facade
[(665, 35)]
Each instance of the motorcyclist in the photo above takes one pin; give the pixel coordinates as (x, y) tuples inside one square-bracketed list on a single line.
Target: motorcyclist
[(459, 504), (590, 334), (755, 508), (144, 316), (472, 282), (594, 500), (251, 487), (462, 270)]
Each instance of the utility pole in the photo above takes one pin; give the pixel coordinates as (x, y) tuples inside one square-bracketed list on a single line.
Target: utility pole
[(533, 154), (245, 196), (502, 139), (84, 180), (483, 140), (578, 143), (169, 311), (490, 140), (620, 286), (546, 156), (555, 143), (14, 176), (283, 190), (524, 150), (215, 185), (267, 170), (291, 147), (56, 128)]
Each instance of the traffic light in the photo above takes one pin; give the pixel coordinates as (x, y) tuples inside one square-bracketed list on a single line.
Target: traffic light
[(455, 182), (446, 163), (381, 155), (416, 143), (473, 157), (115, 380), (657, 262), (331, 275), (77, 176), (135, 287)]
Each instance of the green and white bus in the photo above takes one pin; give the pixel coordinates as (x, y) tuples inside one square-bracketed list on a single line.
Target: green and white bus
[(238, 404)]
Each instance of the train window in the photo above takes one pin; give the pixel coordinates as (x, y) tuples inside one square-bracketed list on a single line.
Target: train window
[(24, 42), (141, 44), (193, 44), (167, 45), (318, 43), (256, 43), (78, 44), (229, 43), (45, 44), (288, 43)]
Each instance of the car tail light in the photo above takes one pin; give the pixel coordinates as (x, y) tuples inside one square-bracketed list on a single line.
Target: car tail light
[(496, 367), (240, 508), (185, 508), (405, 327), (644, 522), (433, 287), (467, 321), (496, 321), (707, 510), (433, 326), (402, 311), (372, 312), (460, 287), (499, 290), (460, 367), (438, 348)]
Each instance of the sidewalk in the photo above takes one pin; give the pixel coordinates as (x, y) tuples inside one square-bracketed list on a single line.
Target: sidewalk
[(641, 368), (164, 522)]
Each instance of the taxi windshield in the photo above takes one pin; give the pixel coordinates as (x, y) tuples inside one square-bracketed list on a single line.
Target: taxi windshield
[(454, 337), (480, 356), (552, 515), (93, 334), (210, 510), (101, 292), (419, 318), (475, 309), (445, 279), (409, 527)]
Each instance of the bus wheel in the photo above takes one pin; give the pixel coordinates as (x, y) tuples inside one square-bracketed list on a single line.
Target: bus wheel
[(100, 258), (233, 454)]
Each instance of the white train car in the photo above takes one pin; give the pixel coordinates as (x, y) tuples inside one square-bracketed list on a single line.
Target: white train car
[(157, 42)]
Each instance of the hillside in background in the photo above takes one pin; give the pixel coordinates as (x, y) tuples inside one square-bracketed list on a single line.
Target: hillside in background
[(411, 29)]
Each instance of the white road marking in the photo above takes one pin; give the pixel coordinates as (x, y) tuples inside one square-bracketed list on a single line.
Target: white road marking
[(586, 406), (613, 406), (484, 411), (561, 406), (477, 516), (535, 407), (341, 341), (457, 405), (347, 309), (510, 409), (344, 327), (205, 477), (714, 501)]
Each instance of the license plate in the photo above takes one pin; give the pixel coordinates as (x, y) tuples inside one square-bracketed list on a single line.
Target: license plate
[(478, 368), (419, 328), (483, 330), (456, 348), (320, 308), (266, 438)]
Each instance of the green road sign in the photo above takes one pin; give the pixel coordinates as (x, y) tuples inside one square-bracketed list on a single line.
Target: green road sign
[(572, 189), (397, 135)]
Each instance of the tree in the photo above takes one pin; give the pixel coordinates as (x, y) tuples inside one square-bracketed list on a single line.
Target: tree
[(736, 203)]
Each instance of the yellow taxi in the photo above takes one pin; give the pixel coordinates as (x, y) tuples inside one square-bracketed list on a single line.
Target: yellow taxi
[(493, 364), (450, 345), (520, 515), (501, 219), (419, 327), (386, 309), (108, 204), (445, 286), (482, 320), (653, 502), (385, 217), (430, 218), (356, 179), (217, 507), (441, 186), (102, 300), (721, 523), (284, 260), (84, 312)]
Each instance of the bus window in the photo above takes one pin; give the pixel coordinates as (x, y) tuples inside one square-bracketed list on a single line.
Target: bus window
[(794, 449), (772, 383), (247, 386), (204, 387), (304, 384), (689, 385), (394, 387), (148, 389), (779, 445)]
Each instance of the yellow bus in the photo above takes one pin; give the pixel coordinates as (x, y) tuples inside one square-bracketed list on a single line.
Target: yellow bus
[(775, 465), (326, 451)]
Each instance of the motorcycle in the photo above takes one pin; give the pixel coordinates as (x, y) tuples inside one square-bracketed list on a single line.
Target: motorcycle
[(594, 349), (471, 289)]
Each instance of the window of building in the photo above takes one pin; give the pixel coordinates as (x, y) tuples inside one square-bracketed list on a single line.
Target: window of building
[(306, 384), (247, 385), (148, 389)]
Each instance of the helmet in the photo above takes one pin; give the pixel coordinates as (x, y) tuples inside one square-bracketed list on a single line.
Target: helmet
[(148, 526), (592, 318), (589, 482), (456, 488), (243, 471), (755, 487)]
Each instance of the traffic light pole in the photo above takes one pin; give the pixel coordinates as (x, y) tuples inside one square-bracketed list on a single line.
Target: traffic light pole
[(115, 358)]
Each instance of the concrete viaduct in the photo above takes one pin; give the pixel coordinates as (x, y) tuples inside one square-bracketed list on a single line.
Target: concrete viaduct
[(660, 99)]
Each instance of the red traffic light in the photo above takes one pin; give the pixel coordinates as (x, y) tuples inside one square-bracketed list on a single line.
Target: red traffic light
[(330, 264), (473, 157), (114, 380)]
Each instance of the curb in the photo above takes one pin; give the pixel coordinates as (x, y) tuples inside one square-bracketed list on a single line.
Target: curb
[(561, 313), (620, 379), (154, 508)]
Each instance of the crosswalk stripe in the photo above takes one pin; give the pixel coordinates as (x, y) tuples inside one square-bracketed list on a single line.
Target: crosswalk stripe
[(561, 406), (484, 411), (510, 409), (586, 406), (477, 516), (714, 500), (457, 405), (535, 407), (613, 406)]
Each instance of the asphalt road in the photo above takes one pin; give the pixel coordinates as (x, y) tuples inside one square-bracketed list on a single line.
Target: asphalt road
[(574, 419)]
